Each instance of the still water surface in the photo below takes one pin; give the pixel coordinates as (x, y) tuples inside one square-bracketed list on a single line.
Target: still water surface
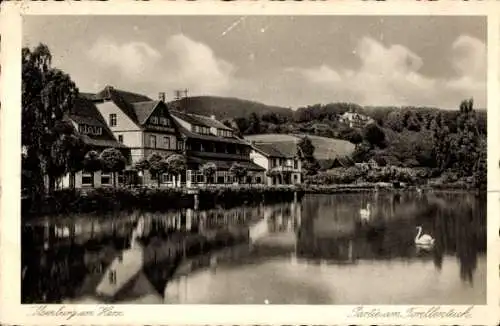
[(318, 251), (332, 258)]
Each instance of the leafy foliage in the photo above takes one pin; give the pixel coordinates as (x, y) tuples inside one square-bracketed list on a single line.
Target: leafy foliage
[(47, 94), (157, 165), (113, 161), (177, 164), (238, 170), (208, 169), (92, 163)]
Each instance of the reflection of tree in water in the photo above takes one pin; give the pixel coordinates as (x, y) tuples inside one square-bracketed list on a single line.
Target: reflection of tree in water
[(456, 221), (460, 229)]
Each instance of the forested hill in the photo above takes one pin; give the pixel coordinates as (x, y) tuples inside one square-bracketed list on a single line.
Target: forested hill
[(228, 107), (320, 119)]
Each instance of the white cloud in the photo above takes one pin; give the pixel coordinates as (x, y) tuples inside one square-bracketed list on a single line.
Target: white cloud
[(180, 63), (194, 65), (132, 59), (391, 76)]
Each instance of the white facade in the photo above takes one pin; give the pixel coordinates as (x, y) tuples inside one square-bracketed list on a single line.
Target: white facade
[(280, 165)]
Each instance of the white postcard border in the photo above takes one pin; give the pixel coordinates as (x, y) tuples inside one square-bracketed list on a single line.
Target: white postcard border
[(12, 312)]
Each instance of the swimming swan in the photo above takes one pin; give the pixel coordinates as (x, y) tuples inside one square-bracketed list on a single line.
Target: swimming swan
[(365, 213), (423, 239)]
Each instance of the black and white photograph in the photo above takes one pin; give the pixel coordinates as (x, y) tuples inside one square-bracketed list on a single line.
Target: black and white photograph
[(254, 159)]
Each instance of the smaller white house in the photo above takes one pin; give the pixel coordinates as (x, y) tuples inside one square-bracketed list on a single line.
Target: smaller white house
[(355, 120), (280, 160)]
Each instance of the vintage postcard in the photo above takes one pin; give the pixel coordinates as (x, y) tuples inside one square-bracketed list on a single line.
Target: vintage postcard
[(252, 163)]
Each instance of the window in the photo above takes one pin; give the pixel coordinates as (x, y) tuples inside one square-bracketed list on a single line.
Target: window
[(258, 180), (180, 145), (86, 179), (120, 138), (167, 178), (112, 120), (105, 179), (295, 164), (295, 178), (152, 141), (154, 120), (166, 142)]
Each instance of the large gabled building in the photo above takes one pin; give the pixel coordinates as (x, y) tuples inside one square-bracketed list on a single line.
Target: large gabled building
[(142, 124), (146, 126)]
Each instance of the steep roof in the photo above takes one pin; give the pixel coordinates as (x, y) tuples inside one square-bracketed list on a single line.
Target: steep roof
[(143, 110), (84, 111), (193, 135), (124, 100), (189, 134), (277, 149), (199, 120)]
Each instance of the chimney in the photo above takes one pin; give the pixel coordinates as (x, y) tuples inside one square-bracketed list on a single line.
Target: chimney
[(161, 96)]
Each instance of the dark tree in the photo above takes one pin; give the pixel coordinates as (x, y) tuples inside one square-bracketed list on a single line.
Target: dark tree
[(374, 135), (176, 165), (47, 94), (113, 161), (142, 165), (92, 163), (157, 166), (208, 169), (306, 148), (239, 171)]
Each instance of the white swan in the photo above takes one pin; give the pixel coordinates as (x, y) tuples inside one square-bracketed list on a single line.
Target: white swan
[(423, 239), (365, 213)]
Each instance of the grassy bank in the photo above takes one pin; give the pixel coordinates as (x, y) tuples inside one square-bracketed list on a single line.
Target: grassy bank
[(103, 200)]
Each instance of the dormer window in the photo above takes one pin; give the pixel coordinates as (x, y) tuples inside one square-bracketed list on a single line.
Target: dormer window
[(224, 133), (89, 130), (201, 130), (154, 120)]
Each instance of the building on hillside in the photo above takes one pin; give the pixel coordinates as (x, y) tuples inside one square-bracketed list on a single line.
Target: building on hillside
[(354, 119), (91, 126), (147, 126), (280, 160), (209, 140)]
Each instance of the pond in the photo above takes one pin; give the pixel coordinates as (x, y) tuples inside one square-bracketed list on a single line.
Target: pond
[(316, 251)]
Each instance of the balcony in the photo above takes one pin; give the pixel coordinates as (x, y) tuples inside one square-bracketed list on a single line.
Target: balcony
[(236, 157), (283, 168)]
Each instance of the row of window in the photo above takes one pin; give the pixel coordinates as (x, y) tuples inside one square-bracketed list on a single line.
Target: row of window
[(224, 133), (87, 179), (154, 120), (165, 144), (283, 162), (89, 130), (201, 130), (161, 121)]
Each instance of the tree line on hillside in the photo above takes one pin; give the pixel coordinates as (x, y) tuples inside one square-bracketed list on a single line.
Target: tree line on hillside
[(442, 140)]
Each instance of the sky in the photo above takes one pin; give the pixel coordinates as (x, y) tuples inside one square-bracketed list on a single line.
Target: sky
[(278, 60)]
